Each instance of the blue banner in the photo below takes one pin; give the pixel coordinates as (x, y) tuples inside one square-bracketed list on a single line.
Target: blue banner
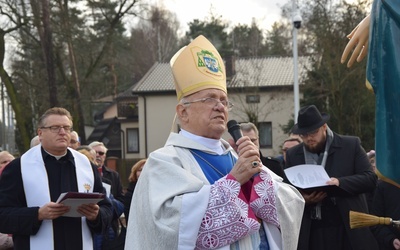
[(383, 73)]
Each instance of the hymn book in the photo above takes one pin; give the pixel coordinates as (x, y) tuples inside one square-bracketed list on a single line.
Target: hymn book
[(75, 199)]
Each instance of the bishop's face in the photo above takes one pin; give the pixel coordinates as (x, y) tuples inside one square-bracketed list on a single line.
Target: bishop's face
[(205, 113)]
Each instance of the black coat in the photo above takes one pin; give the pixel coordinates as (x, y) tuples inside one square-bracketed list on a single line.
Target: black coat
[(116, 184), (128, 199), (348, 162), (386, 204), (112, 177), (273, 164)]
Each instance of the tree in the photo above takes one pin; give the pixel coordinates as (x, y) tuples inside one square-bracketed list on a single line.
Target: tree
[(41, 19), (15, 22), (215, 29), (330, 85), (153, 39), (247, 41), (72, 54), (278, 40)]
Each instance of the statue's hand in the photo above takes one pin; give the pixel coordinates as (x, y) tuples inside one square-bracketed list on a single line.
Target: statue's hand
[(358, 43)]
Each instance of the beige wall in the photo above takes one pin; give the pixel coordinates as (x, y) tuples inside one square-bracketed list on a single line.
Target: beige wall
[(275, 107), (111, 111), (157, 119)]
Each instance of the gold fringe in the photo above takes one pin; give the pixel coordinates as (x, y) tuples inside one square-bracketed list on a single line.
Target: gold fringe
[(385, 179)]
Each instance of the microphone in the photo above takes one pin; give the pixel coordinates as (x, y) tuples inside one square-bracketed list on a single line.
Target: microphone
[(234, 130)]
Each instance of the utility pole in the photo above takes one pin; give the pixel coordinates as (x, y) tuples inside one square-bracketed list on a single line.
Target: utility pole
[(296, 18)]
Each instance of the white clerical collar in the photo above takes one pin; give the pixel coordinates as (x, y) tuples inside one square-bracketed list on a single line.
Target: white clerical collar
[(213, 144), (56, 156)]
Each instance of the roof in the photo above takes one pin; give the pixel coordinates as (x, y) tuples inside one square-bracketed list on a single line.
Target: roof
[(158, 79), (250, 72), (100, 130), (268, 71)]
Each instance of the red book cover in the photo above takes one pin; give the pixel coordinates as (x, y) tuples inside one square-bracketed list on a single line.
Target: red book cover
[(76, 199), (78, 195)]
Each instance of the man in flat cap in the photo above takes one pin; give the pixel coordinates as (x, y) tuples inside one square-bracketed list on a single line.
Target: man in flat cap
[(325, 222), (196, 192)]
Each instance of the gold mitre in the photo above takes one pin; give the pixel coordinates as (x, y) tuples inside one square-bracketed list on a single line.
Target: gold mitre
[(198, 66)]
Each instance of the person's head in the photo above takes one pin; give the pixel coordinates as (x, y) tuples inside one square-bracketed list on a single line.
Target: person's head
[(288, 143), (35, 141), (89, 152), (292, 135), (54, 130), (136, 170), (249, 129), (200, 81), (74, 142), (101, 152), (311, 126), (5, 158)]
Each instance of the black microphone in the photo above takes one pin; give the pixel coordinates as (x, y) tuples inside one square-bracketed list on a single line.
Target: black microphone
[(234, 130)]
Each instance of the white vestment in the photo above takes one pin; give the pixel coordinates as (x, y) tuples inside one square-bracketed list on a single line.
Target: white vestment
[(171, 198), (37, 193)]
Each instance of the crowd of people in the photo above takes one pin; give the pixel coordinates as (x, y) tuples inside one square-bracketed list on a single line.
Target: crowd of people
[(199, 191), (195, 171)]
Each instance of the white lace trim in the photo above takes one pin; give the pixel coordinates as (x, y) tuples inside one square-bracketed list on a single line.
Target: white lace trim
[(264, 207), (226, 219)]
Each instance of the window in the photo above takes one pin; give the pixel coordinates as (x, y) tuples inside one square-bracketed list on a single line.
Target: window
[(265, 134), (252, 98), (127, 109), (132, 140)]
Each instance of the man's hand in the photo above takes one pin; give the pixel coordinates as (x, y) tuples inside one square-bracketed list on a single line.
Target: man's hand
[(52, 211), (314, 197), (248, 153), (396, 244), (90, 211), (333, 181)]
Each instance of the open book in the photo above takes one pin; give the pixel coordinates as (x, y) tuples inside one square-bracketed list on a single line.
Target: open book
[(309, 178), (75, 199)]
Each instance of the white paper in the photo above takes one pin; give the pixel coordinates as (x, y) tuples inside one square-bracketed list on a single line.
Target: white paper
[(307, 176), (107, 187)]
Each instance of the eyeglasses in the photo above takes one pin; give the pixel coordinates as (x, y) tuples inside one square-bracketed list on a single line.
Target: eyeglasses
[(57, 129), (312, 133), (212, 102), (100, 153), (73, 142)]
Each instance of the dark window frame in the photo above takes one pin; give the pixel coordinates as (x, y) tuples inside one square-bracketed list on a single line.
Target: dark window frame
[(265, 140)]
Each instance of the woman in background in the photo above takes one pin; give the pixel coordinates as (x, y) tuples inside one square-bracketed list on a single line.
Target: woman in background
[(133, 178), (6, 241)]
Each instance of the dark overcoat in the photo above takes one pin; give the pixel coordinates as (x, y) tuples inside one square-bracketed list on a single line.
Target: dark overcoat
[(348, 162)]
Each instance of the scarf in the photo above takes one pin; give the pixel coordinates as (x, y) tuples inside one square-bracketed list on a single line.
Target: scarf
[(313, 158)]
